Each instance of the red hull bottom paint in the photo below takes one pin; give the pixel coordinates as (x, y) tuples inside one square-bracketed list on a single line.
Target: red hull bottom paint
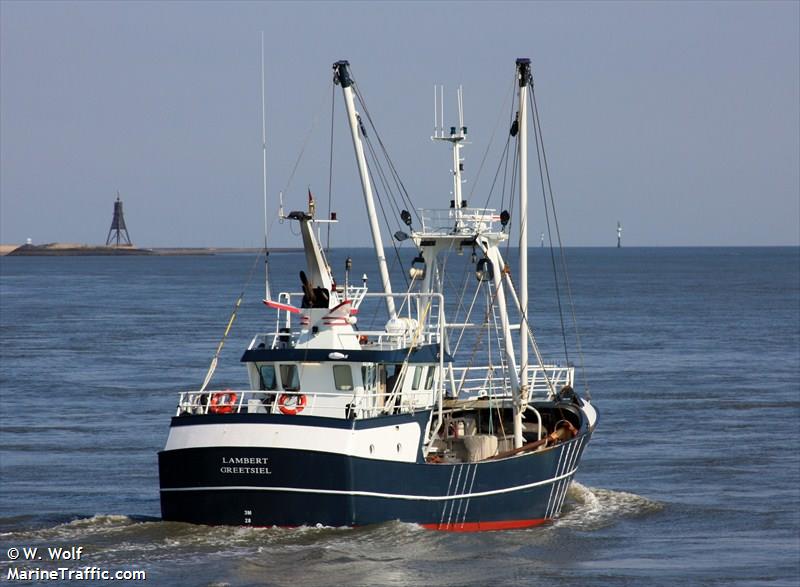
[(486, 526)]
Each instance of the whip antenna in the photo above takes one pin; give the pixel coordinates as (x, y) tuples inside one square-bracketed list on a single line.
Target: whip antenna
[(267, 295)]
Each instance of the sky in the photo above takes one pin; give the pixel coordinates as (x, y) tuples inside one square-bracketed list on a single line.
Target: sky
[(679, 120)]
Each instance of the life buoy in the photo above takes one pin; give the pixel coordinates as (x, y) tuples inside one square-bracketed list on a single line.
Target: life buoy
[(291, 404), (222, 402)]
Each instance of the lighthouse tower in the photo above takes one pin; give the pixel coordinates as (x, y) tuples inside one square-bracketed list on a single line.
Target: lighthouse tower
[(619, 235), (118, 233)]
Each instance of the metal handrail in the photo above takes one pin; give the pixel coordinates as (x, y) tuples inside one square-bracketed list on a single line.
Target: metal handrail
[(489, 380), (362, 403), (458, 220)]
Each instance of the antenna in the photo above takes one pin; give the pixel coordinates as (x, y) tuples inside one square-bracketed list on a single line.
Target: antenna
[(460, 107), (441, 109), (457, 138), (264, 174), (435, 109), (438, 111)]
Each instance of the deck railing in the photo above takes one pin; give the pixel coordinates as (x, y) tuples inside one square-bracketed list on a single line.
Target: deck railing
[(459, 221), (471, 382), (493, 381), (332, 405)]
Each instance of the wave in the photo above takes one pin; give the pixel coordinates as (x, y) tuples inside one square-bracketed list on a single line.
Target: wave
[(591, 508)]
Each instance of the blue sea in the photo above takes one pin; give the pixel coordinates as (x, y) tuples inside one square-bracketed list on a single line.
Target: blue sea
[(692, 357)]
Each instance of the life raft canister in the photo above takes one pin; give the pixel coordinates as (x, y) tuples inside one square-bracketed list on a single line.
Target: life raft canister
[(291, 404), (222, 402)]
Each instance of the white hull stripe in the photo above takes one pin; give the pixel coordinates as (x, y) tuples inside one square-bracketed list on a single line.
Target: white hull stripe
[(553, 487), (558, 491), (374, 493)]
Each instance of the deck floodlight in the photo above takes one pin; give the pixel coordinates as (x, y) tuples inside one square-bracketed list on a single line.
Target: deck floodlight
[(484, 271)]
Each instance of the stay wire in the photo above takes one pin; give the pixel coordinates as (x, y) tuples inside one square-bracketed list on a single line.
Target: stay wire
[(504, 159), (384, 181), (503, 156), (537, 122), (388, 226), (550, 238), (215, 359), (491, 142), (512, 193), (395, 175), (303, 147), (330, 168)]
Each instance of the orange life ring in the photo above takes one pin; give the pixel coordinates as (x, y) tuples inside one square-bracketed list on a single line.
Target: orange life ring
[(291, 404), (222, 402)]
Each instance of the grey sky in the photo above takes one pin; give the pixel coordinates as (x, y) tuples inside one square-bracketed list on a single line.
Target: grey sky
[(681, 120)]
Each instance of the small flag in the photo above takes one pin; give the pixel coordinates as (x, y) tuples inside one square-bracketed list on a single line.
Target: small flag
[(311, 205)]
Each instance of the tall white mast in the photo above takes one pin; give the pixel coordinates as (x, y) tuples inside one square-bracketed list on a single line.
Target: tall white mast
[(524, 75), (267, 295), (342, 77)]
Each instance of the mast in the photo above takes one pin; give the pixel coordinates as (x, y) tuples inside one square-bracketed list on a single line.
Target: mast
[(342, 77), (456, 139), (524, 75), (267, 295)]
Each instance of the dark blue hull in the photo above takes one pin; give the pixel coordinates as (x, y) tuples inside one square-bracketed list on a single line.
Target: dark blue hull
[(285, 487)]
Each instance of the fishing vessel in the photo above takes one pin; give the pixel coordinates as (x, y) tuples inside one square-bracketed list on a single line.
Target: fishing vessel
[(425, 406)]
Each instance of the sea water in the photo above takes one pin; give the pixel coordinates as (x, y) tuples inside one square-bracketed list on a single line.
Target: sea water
[(692, 357)]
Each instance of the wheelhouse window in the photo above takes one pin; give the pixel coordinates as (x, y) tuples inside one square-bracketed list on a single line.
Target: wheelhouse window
[(269, 381), (430, 376), (343, 377), (290, 378), (417, 376)]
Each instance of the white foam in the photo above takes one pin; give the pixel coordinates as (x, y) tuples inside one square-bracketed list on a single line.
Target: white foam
[(589, 508)]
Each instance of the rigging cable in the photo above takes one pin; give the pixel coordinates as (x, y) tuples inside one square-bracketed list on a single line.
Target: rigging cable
[(330, 168), (512, 192), (303, 146), (529, 329), (388, 226), (550, 238), (488, 148), (213, 366), (560, 245), (395, 175), (504, 370)]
